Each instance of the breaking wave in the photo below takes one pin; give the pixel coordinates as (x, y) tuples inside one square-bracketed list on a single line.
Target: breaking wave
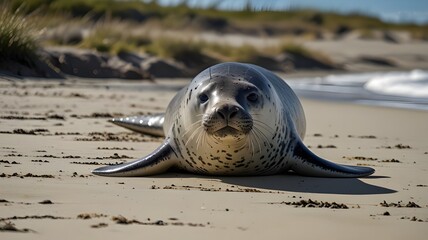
[(394, 89), (406, 84)]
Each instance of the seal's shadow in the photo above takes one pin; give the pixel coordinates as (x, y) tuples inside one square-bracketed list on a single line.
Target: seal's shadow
[(295, 183)]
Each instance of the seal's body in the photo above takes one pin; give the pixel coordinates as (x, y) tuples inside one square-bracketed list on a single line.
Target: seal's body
[(232, 119)]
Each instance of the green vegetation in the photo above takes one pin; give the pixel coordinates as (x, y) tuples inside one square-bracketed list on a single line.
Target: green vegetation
[(293, 22), (299, 50), (108, 36), (225, 52), (114, 26), (172, 48), (16, 40)]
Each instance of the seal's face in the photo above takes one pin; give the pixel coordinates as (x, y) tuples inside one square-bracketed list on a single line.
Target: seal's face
[(226, 105), (232, 110)]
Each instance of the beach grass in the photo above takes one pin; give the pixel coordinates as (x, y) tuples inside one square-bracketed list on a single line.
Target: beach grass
[(109, 36), (300, 50), (17, 42), (293, 21), (243, 53), (113, 26)]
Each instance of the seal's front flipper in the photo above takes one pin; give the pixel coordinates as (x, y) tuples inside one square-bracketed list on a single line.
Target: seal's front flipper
[(157, 162), (307, 163), (146, 124)]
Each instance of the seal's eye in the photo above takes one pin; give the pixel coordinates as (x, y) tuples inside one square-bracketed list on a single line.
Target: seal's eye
[(252, 97), (203, 98)]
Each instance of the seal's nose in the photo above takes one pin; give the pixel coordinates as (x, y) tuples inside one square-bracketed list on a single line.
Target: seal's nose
[(227, 112)]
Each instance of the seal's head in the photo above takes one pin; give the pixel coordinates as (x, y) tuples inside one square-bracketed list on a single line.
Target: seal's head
[(225, 104), (230, 104)]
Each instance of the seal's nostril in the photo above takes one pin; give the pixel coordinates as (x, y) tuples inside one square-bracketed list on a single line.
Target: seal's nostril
[(232, 112), (221, 114)]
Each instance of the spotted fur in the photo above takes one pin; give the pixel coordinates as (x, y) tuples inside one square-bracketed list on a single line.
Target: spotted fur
[(233, 119)]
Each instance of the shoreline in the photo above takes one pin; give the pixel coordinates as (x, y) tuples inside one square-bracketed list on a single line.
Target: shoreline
[(335, 86)]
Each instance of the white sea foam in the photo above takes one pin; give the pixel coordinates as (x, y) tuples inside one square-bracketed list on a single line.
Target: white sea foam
[(405, 84), (394, 89), (351, 79)]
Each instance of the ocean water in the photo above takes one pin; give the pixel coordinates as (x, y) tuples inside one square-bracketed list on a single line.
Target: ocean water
[(393, 89)]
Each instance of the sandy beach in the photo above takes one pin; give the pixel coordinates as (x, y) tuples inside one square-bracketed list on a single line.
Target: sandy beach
[(53, 133)]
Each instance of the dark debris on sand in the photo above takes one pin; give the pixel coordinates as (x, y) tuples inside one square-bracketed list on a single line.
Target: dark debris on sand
[(4, 175), (33, 217), (98, 115), (360, 158), (67, 133), (398, 146), (97, 163), (391, 160), (22, 118), (118, 137), (212, 189), (48, 156), (7, 162), (400, 204), (91, 215), (7, 226), (414, 219), (46, 202), (37, 131), (326, 146), (122, 220), (363, 136), (115, 148), (99, 225), (40, 161), (315, 204), (56, 117)]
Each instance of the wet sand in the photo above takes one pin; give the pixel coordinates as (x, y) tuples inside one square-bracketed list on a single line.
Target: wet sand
[(53, 134)]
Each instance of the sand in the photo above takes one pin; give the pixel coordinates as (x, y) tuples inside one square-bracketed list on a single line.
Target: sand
[(50, 129)]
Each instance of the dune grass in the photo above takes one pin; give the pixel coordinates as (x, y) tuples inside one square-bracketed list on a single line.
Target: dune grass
[(118, 26), (297, 49), (17, 43), (109, 36), (226, 52), (246, 19)]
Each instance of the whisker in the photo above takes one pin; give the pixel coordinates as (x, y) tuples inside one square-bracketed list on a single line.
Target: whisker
[(262, 123), (202, 140), (252, 146), (192, 126), (253, 139), (193, 135), (258, 138), (264, 127), (261, 133)]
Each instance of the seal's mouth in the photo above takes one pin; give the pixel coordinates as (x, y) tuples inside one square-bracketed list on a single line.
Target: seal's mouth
[(228, 130), (236, 127)]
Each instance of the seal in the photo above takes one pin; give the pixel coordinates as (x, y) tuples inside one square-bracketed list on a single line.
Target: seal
[(232, 119)]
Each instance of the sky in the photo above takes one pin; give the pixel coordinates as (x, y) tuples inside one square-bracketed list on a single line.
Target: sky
[(415, 11)]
